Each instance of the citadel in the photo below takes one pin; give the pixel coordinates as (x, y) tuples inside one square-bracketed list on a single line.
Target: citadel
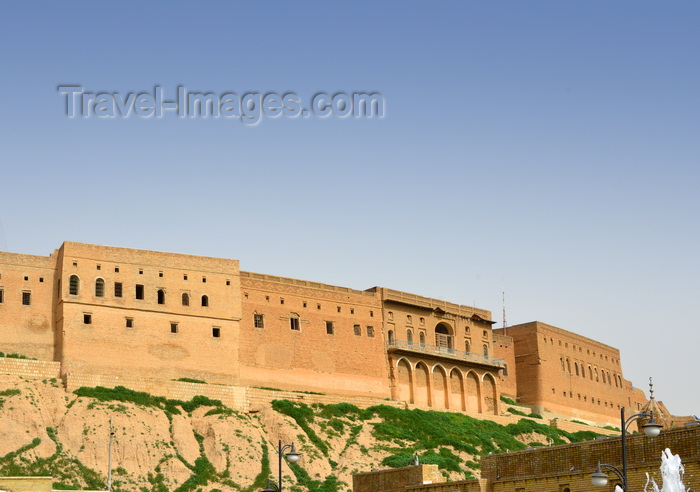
[(105, 315)]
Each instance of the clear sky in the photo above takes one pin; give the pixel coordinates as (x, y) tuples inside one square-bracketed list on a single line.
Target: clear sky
[(546, 149)]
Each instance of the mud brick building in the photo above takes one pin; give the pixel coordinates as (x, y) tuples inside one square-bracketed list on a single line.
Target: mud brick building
[(109, 314)]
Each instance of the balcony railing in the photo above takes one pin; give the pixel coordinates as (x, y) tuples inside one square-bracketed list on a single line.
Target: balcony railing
[(424, 348)]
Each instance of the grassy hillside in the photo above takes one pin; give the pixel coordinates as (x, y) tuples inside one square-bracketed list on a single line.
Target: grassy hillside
[(164, 445)]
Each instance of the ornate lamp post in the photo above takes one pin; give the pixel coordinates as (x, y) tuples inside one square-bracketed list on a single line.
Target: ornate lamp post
[(292, 456), (651, 429)]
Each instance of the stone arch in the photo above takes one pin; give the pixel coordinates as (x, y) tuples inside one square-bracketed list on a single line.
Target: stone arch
[(405, 380), (456, 390), (422, 384), (440, 388), (472, 394), (490, 394), (444, 336)]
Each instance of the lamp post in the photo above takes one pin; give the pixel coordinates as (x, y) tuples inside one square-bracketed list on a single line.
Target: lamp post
[(292, 457), (651, 429)]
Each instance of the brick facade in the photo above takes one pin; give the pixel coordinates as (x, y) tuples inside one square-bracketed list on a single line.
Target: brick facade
[(124, 314)]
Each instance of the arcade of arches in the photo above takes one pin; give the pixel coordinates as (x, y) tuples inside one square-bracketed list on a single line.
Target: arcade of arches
[(442, 385)]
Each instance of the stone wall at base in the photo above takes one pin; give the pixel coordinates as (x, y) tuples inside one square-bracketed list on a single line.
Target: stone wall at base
[(259, 398), (26, 484), (28, 368), (396, 479), (232, 396)]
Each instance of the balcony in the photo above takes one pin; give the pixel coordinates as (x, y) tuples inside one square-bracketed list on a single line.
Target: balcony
[(444, 352)]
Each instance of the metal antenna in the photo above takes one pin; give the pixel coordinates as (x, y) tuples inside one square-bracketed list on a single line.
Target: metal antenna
[(505, 323)]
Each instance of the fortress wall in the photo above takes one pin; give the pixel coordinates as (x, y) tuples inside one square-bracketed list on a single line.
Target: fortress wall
[(27, 368), (27, 328), (304, 335), (562, 372), (157, 313)]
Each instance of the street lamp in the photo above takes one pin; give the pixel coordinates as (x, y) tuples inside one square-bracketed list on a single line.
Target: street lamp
[(292, 457), (651, 429)]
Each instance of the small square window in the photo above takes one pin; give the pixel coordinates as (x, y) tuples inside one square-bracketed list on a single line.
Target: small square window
[(26, 298), (267, 298), (26, 278), (338, 308), (129, 322), (228, 282), (329, 328), (281, 300), (75, 263), (371, 314), (258, 321), (99, 267), (357, 329), (318, 306), (204, 280), (116, 269), (41, 279), (184, 276), (87, 319), (160, 274), (304, 304), (352, 310), (173, 328), (215, 331), (140, 271), (370, 331)]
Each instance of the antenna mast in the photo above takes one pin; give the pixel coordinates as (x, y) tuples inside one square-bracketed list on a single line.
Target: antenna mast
[(505, 323)]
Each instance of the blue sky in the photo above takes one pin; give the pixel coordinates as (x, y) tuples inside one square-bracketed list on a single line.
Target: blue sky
[(545, 149)]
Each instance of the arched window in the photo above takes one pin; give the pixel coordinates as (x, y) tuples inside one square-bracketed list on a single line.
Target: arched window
[(609, 381), (185, 299), (568, 365), (205, 301), (596, 374), (467, 347), (390, 315), (590, 373), (99, 287), (576, 367), (409, 319), (409, 337), (73, 285), (422, 339), (561, 359), (390, 336), (466, 330), (486, 350), (161, 296)]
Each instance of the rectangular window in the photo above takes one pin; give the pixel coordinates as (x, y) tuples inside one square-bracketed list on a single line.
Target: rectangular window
[(216, 332), (329, 328), (2, 294), (357, 329), (139, 291), (26, 298), (116, 269), (87, 318), (129, 322), (117, 289), (370, 331), (258, 321), (173, 327), (294, 324)]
